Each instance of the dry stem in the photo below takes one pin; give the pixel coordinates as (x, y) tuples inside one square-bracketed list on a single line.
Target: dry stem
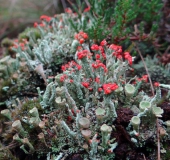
[(158, 139), (144, 157), (152, 89), (150, 81)]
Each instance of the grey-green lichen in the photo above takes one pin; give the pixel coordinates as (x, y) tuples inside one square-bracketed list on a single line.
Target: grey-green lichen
[(75, 110)]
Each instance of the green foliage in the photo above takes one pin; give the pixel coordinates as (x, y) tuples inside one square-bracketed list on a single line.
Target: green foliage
[(123, 14), (152, 7), (116, 19), (96, 31), (101, 16), (95, 21)]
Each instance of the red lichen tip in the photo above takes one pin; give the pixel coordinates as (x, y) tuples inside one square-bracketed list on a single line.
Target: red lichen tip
[(87, 9), (156, 84), (103, 43)]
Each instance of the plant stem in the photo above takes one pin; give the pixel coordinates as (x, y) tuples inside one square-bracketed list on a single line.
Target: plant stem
[(152, 89), (158, 139), (144, 157), (150, 81)]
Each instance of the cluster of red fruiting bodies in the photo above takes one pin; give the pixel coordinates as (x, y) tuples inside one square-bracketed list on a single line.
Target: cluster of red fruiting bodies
[(81, 37), (21, 44), (42, 18), (100, 56), (48, 18), (117, 51), (98, 53), (69, 11)]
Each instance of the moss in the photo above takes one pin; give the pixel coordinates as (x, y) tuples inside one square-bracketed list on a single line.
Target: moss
[(18, 113), (6, 42), (30, 104), (29, 31), (6, 155), (166, 156), (3, 93)]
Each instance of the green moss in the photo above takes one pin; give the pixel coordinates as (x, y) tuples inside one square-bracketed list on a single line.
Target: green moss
[(166, 156), (28, 33), (6, 42), (5, 155), (4, 84), (30, 104)]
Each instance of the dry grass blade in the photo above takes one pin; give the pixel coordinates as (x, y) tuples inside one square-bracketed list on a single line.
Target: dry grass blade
[(152, 89), (158, 140), (150, 81)]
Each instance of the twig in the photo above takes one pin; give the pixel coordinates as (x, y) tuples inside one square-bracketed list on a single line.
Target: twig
[(87, 2), (152, 89), (144, 157), (69, 2), (150, 81), (158, 52), (166, 51), (158, 139), (29, 93), (64, 4)]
